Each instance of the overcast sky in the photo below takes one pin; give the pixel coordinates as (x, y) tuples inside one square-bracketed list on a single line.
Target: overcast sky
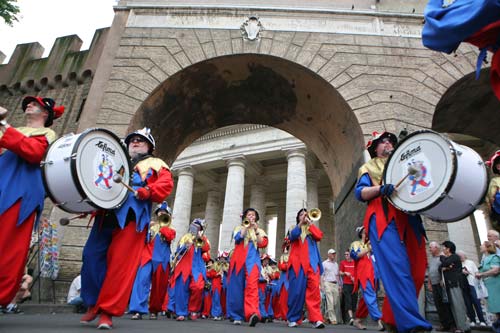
[(44, 20)]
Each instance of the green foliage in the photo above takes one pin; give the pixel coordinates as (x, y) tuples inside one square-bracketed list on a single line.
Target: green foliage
[(8, 11)]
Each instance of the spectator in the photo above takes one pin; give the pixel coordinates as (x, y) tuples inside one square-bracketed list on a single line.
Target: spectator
[(469, 269), (348, 274), (452, 271), (489, 272), (331, 287), (74, 297)]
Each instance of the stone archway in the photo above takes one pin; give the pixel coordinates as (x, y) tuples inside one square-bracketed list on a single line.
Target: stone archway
[(255, 89)]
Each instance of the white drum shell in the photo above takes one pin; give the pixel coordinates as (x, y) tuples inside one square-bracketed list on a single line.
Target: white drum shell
[(459, 177), (65, 170)]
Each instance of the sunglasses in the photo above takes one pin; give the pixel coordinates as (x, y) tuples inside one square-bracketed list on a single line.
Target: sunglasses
[(137, 139)]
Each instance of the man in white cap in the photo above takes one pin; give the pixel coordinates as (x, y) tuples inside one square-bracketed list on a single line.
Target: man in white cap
[(330, 281)]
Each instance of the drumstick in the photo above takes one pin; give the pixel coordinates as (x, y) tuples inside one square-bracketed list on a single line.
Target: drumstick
[(65, 220), (117, 178), (411, 171)]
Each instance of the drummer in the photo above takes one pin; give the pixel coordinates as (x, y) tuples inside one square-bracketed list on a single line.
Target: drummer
[(21, 187), (113, 250), (493, 195), (397, 239)]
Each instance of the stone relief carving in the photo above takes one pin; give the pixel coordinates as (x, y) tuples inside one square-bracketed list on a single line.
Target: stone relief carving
[(251, 28)]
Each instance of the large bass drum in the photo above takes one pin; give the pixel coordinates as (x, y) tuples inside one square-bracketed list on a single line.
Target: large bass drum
[(443, 180), (78, 171)]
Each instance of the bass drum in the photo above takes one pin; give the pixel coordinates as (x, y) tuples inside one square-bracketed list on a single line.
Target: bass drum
[(444, 181), (78, 171)]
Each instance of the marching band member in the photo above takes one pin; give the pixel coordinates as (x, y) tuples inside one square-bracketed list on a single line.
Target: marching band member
[(244, 270), (365, 279), (493, 195), (397, 240), (224, 260), (207, 290), (22, 192), (215, 273), (113, 250), (264, 279), (281, 301), (189, 275), (154, 269), (272, 291), (304, 272)]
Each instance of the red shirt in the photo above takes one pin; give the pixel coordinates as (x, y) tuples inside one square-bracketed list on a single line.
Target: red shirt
[(348, 266)]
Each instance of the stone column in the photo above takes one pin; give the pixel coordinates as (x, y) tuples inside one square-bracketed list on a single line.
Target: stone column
[(312, 191), (181, 215), (296, 185), (258, 201), (233, 200), (213, 219), (280, 228)]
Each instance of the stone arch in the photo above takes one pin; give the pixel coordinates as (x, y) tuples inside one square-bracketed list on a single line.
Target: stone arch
[(258, 89)]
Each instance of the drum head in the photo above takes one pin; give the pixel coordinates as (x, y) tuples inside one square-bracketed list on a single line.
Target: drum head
[(99, 155), (428, 161)]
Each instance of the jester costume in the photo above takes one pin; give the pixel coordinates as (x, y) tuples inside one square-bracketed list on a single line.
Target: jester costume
[(398, 243), (281, 299), (366, 280), (492, 199), (216, 275), (153, 272), (21, 200), (243, 276), (305, 269), (114, 247), (189, 276)]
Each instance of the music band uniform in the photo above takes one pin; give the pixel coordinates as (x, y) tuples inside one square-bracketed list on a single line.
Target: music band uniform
[(22, 191), (113, 250)]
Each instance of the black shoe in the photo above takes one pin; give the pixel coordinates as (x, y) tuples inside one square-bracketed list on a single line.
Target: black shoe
[(254, 319)]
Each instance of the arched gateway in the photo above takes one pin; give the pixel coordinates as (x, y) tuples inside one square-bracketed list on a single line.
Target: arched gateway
[(327, 72)]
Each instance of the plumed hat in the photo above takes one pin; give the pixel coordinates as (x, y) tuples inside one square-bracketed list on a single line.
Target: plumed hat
[(371, 146), (55, 111)]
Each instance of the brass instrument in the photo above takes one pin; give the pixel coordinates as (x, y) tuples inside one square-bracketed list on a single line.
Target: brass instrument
[(164, 219), (198, 242), (314, 214), (246, 222)]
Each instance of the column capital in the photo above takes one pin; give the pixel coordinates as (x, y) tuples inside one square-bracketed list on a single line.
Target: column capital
[(235, 160), (186, 170), (296, 152)]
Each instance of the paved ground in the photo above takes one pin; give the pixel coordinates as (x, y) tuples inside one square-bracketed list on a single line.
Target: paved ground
[(69, 322)]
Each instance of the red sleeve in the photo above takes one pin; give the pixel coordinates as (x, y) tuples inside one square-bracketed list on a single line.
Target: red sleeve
[(262, 243), (276, 276), (168, 233), (211, 273), (316, 233), (30, 148), (283, 266), (206, 245), (160, 185)]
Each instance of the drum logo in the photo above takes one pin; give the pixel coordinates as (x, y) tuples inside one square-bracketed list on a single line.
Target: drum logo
[(104, 172), (420, 177), (105, 148)]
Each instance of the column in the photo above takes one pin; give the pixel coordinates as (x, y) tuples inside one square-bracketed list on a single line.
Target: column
[(280, 228), (296, 186), (181, 215), (258, 202), (233, 200), (213, 219), (312, 191)]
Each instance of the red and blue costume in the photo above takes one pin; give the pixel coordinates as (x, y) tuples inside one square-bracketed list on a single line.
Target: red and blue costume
[(243, 276), (189, 276), (281, 300), (216, 291), (493, 195), (114, 247), (22, 195), (153, 272), (398, 243), (305, 269)]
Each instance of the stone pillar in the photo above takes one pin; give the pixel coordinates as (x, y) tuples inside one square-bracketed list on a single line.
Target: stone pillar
[(233, 200), (312, 191), (280, 228), (258, 201), (296, 185), (181, 215), (213, 219)]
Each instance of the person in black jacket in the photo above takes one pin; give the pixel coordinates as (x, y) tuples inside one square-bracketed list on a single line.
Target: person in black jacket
[(451, 266)]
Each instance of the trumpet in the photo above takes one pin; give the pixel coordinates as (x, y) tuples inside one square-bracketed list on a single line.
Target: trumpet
[(314, 214), (198, 242), (246, 222), (165, 219)]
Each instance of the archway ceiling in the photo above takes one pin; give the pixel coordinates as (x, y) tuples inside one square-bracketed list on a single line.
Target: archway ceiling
[(255, 89), (470, 107)]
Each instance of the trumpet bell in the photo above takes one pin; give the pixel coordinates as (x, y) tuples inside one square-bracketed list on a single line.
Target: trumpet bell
[(314, 214), (165, 219), (246, 222)]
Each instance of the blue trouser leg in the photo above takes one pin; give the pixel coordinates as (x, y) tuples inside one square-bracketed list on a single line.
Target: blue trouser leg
[(94, 262), (181, 296), (216, 310), (370, 296), (262, 303), (393, 266), (235, 289), (296, 294), (140, 292)]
